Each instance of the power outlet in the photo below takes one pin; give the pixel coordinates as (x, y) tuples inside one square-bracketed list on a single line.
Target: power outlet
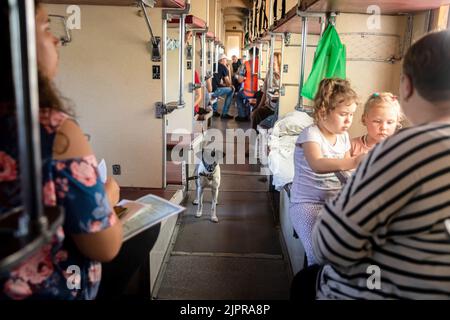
[(285, 68), (156, 72), (116, 169)]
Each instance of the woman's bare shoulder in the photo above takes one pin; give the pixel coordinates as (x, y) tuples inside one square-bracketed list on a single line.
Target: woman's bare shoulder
[(71, 142)]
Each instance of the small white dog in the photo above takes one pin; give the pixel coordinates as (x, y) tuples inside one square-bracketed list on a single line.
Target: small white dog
[(207, 174)]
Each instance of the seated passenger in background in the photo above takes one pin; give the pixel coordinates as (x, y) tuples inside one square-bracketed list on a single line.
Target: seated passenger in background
[(198, 95), (91, 232), (267, 107), (385, 235), (235, 64), (382, 116), (222, 86), (322, 149), (249, 80)]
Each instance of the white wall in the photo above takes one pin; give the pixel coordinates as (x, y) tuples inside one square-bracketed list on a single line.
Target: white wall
[(212, 16), (233, 44), (369, 77), (198, 9), (292, 58), (180, 119), (106, 71)]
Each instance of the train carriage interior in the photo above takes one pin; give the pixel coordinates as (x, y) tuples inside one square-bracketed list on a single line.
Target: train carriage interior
[(161, 87)]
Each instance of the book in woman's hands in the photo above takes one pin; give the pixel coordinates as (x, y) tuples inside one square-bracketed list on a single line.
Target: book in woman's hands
[(144, 213)]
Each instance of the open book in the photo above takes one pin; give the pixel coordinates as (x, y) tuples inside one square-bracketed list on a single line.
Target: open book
[(144, 213)]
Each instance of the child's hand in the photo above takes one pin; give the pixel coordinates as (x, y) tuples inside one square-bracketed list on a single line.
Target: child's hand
[(359, 158)]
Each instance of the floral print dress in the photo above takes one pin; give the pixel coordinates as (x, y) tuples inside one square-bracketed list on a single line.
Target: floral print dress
[(58, 270)]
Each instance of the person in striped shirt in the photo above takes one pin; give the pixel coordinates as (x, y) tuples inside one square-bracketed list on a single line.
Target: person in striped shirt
[(384, 235)]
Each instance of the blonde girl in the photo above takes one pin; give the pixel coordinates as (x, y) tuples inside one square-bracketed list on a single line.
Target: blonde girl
[(322, 149), (382, 116)]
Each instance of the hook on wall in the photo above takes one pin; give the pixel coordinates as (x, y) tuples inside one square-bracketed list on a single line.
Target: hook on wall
[(331, 18), (287, 38)]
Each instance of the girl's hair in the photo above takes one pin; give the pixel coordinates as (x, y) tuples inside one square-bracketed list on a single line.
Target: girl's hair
[(331, 93), (48, 95), (427, 64), (385, 98)]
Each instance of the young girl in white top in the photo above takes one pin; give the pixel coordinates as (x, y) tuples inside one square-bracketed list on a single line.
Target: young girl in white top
[(322, 149), (382, 116)]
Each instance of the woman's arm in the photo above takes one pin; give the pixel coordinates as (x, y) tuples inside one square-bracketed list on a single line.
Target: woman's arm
[(209, 85), (264, 96), (319, 164), (103, 245)]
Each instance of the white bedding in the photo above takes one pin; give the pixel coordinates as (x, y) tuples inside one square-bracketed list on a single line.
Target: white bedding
[(281, 143)]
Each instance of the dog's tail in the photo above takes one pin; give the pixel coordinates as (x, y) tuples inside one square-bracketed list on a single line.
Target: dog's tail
[(192, 178)]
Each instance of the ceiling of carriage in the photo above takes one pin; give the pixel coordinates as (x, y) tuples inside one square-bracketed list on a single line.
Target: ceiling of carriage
[(235, 12)]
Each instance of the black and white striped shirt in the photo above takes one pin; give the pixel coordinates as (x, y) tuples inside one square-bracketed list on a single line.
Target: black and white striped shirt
[(391, 214)]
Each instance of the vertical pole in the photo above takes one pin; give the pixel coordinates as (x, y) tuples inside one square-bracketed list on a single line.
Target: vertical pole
[(194, 38), (216, 57), (260, 60), (302, 65), (207, 14), (164, 99), (23, 52), (253, 68), (181, 61), (272, 49), (205, 89), (270, 13), (282, 61), (211, 55)]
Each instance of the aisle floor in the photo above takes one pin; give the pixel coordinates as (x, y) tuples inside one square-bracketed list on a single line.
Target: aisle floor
[(240, 257)]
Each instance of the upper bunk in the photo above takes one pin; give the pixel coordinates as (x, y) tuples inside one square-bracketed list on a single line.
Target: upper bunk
[(292, 22), (157, 3), (387, 7), (210, 36), (192, 22), (264, 37)]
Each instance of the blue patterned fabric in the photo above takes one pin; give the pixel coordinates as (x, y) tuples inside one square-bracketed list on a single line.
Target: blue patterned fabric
[(58, 270)]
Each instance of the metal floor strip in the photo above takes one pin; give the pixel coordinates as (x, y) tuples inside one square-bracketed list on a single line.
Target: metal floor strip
[(230, 255), (242, 173)]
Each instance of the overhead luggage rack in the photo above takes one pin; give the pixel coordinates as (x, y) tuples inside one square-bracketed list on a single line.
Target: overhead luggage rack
[(362, 6), (169, 4), (210, 36), (292, 22), (191, 22)]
